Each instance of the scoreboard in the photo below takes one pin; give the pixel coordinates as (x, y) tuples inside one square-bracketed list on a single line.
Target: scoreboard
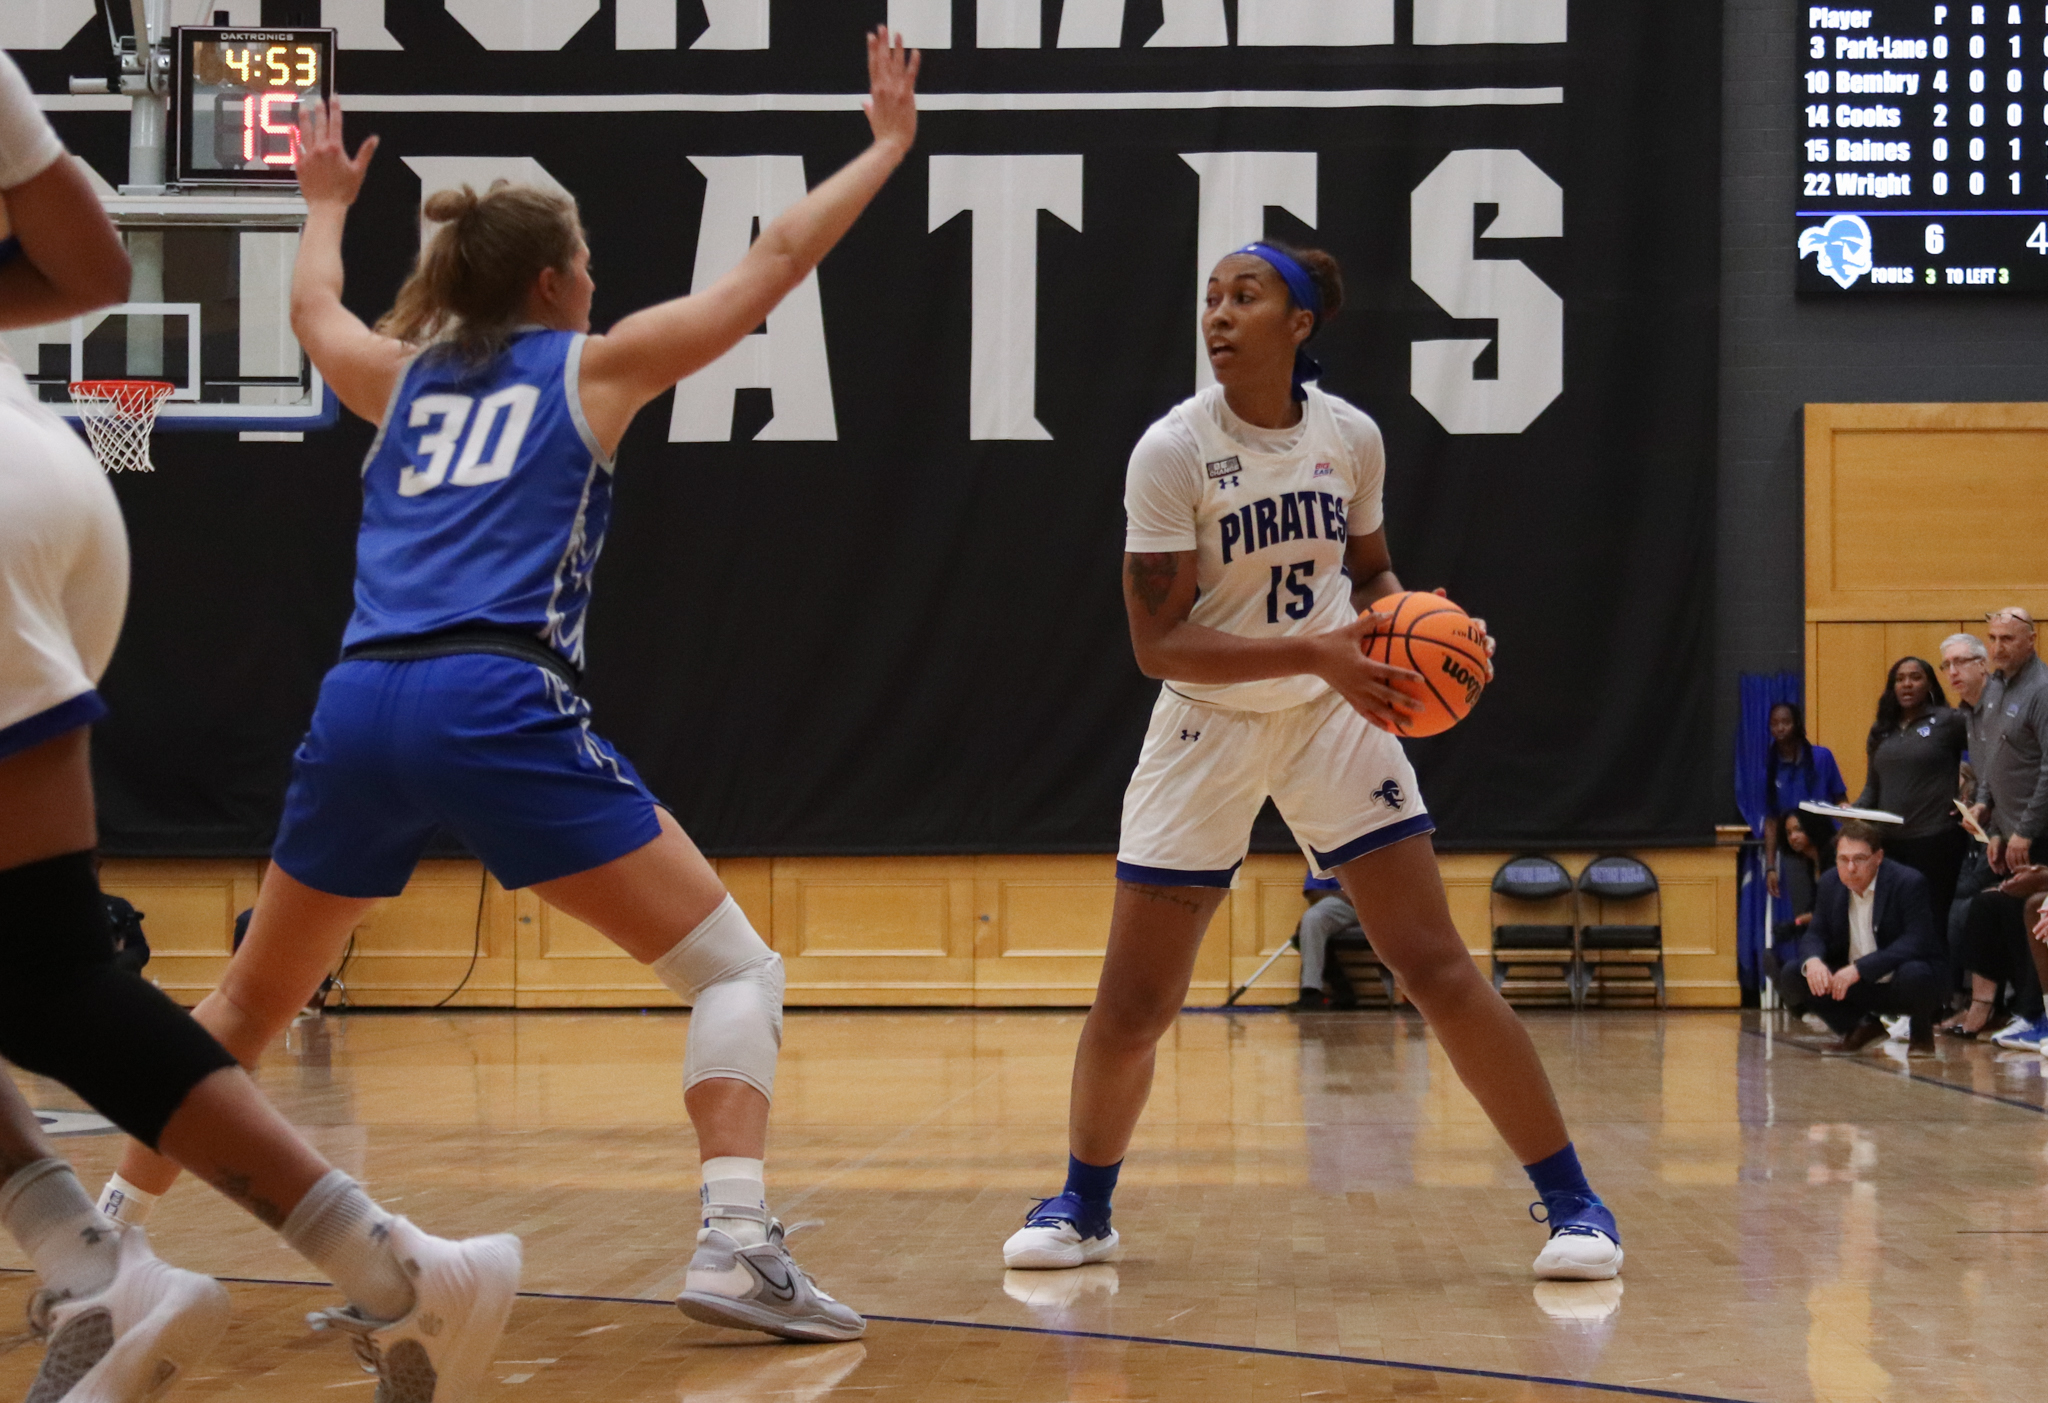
[(1925, 163)]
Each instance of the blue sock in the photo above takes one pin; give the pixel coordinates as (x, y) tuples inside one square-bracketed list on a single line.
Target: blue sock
[(1559, 1174), (1092, 1184)]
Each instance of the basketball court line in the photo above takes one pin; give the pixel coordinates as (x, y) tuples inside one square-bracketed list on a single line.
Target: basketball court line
[(1109, 1337), (1908, 1075)]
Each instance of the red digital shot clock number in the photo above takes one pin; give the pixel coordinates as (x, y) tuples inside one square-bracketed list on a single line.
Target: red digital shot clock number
[(240, 95)]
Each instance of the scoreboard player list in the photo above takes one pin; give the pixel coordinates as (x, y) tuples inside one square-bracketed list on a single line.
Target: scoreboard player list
[(1925, 163)]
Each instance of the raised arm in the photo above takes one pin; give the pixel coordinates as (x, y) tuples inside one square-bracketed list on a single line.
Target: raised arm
[(59, 254), (362, 366), (1159, 593), (652, 349)]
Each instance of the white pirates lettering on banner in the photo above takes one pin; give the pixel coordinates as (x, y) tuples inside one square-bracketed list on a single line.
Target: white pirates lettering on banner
[(735, 24), (1319, 23), (924, 24), (789, 357), (1489, 21), (1237, 188), (358, 24), (1004, 195), (1529, 315), (522, 25)]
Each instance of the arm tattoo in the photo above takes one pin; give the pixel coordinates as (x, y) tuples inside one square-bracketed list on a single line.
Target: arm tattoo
[(1152, 577)]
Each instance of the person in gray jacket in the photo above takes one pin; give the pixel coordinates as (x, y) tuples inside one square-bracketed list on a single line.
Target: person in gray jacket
[(2012, 784)]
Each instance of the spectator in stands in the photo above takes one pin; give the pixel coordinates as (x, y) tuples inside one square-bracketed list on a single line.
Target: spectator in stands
[(1808, 845), (1870, 948), (1795, 770), (1329, 915), (1915, 750), (1967, 664), (2012, 785), (2012, 807)]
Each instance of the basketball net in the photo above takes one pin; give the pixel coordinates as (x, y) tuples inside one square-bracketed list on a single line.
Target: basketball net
[(118, 417)]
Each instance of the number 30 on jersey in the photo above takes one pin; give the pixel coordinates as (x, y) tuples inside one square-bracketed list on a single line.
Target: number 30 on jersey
[(450, 415)]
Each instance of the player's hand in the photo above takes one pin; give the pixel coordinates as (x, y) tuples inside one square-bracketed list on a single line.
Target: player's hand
[(1816, 974), (1480, 624), (891, 103), (1376, 691), (327, 174), (1844, 977)]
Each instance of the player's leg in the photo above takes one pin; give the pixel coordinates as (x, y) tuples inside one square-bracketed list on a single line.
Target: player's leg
[(1349, 793), (663, 905), (1187, 821), (1399, 895), (295, 937)]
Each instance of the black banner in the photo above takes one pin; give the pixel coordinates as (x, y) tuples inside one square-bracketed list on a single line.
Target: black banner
[(861, 592)]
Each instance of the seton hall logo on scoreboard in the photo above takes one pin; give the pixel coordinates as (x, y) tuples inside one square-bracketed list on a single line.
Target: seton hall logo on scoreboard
[(1841, 248)]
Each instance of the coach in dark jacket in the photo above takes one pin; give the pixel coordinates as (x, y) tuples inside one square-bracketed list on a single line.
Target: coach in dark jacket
[(1870, 948)]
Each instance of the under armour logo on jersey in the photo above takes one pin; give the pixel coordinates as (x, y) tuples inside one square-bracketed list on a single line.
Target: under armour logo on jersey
[(1225, 467), (1389, 793), (1190, 735)]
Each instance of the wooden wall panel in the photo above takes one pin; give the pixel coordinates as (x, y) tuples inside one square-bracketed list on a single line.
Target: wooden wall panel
[(1925, 511), (995, 931), (885, 930), (188, 908)]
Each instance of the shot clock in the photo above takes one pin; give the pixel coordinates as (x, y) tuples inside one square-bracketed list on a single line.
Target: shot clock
[(239, 96)]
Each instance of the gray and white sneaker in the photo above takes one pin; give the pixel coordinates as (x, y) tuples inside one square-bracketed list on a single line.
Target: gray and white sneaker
[(761, 1288), (132, 1340), (440, 1350)]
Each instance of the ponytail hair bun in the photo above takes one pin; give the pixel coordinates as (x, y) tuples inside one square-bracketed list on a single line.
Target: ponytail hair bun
[(1327, 272), (447, 206)]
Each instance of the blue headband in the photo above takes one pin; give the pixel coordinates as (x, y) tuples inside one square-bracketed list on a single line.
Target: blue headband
[(1302, 288)]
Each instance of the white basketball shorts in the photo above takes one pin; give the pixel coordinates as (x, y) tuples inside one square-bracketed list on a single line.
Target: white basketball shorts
[(1343, 785), (63, 573)]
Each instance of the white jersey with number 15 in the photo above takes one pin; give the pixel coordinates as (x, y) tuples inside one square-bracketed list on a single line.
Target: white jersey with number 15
[(1268, 513)]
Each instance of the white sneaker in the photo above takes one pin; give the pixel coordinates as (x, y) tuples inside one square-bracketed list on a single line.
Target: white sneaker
[(1058, 1234), (761, 1288), (439, 1351), (1897, 1029), (2013, 1029), (1579, 1256), (130, 1341)]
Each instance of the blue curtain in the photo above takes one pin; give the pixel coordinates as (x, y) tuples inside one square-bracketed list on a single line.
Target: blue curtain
[(1760, 692)]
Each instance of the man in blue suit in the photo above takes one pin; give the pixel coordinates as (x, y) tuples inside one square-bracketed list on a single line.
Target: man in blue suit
[(1870, 948)]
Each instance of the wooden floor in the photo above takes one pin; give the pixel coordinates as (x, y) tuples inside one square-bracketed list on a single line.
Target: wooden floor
[(1314, 1209)]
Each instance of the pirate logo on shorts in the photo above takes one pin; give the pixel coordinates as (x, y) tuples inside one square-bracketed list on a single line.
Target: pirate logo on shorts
[(1389, 793)]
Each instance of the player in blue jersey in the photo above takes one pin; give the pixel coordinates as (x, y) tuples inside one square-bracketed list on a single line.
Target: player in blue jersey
[(485, 500), (1255, 547)]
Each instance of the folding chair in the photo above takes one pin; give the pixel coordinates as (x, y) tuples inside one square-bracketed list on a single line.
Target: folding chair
[(1627, 956), (1534, 958)]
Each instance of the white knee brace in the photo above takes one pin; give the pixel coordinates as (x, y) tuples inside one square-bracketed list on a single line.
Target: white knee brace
[(734, 984)]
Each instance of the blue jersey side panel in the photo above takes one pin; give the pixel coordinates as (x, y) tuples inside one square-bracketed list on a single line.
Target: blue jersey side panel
[(485, 499)]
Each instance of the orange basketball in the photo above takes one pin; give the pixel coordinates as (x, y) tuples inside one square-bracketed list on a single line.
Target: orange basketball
[(1434, 637)]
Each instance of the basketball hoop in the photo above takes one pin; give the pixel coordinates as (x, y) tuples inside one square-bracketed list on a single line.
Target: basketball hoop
[(118, 416)]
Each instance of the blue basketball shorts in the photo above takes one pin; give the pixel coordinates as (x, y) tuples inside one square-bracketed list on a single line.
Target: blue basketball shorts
[(498, 751)]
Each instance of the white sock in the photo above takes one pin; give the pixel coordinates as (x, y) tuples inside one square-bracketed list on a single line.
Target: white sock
[(73, 1244), (124, 1203), (340, 1230), (734, 1181)]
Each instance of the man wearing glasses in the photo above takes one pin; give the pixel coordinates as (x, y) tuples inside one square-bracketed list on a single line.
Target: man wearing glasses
[(1870, 948), (2012, 783)]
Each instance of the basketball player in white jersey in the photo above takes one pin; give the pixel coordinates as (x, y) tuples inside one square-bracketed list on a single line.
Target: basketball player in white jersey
[(1255, 546), (122, 1325), (485, 500)]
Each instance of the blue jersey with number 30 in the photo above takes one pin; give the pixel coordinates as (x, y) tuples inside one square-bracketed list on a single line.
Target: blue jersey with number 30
[(485, 499)]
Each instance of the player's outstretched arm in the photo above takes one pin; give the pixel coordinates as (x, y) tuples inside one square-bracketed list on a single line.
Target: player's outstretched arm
[(653, 349), (1159, 594), (71, 260), (362, 366)]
